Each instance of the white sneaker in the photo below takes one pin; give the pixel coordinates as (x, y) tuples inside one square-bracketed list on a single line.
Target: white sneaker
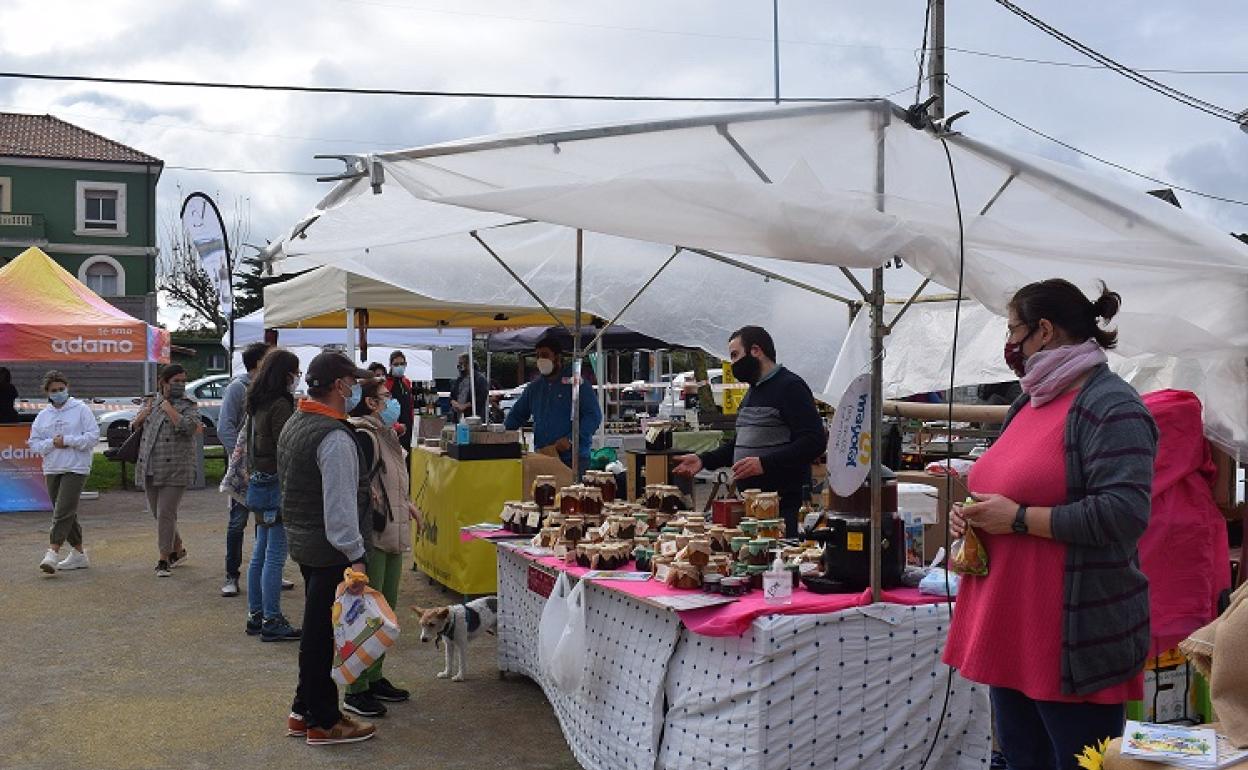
[(76, 560), (50, 560)]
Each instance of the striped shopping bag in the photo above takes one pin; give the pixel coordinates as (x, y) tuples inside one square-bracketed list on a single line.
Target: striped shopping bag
[(364, 628)]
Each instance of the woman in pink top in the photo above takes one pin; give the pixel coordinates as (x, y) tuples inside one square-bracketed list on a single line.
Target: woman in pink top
[(1059, 628)]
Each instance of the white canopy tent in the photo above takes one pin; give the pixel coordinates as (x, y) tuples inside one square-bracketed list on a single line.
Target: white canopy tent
[(848, 184), (250, 328)]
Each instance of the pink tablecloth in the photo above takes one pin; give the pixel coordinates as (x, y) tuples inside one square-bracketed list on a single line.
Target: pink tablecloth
[(468, 535), (735, 619)]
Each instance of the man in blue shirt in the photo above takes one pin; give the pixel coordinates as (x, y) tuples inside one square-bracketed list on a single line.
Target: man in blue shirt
[(548, 400)]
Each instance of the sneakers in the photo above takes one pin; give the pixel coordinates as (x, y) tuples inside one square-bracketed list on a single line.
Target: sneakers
[(347, 730), (278, 629), (76, 560), (254, 623), (50, 560), (177, 559), (364, 704), (288, 585), (296, 725), (230, 587), (383, 690), (162, 569)]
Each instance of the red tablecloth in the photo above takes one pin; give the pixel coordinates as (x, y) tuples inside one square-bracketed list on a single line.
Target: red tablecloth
[(735, 618)]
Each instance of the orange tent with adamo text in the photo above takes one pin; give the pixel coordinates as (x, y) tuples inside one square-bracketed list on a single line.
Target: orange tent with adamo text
[(46, 314)]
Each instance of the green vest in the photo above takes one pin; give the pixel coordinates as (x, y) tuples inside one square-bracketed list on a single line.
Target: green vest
[(303, 504)]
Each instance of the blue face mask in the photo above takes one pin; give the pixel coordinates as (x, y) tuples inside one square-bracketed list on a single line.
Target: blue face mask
[(354, 398), (398, 369), (59, 397), (390, 415)]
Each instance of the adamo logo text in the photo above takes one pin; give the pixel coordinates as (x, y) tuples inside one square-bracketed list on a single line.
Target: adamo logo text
[(859, 451), (11, 452), (81, 345)]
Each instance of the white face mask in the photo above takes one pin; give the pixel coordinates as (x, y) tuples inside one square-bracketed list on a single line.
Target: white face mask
[(545, 366), (294, 383)]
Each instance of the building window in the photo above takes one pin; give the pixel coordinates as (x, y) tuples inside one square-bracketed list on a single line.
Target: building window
[(6, 194), (101, 209), (103, 275), (216, 362)]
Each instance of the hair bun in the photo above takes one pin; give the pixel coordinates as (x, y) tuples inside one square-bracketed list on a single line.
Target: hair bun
[(1107, 305)]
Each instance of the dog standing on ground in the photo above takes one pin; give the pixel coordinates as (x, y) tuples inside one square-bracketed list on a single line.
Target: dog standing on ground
[(454, 626)]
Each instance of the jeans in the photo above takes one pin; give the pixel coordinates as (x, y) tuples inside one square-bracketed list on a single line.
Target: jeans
[(264, 576), (384, 572), (1044, 735), (316, 696), (234, 538)]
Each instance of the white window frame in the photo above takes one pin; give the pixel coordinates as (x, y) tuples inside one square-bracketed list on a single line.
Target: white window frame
[(80, 208), (121, 272), (6, 194)]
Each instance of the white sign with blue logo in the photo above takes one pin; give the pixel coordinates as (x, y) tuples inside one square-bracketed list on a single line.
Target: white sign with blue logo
[(849, 440)]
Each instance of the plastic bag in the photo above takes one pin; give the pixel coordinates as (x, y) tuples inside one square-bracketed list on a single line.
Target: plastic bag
[(967, 555), (364, 628), (554, 620), (933, 583), (567, 666)]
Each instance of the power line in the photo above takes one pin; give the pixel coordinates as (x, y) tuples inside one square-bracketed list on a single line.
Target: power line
[(923, 51), (244, 171), (1085, 65), (1096, 158), (1196, 103)]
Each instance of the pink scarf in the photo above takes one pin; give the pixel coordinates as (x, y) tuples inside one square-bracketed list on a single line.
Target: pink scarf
[(1050, 372)]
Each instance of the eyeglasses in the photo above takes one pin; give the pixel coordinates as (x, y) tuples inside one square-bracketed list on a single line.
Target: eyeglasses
[(1009, 330)]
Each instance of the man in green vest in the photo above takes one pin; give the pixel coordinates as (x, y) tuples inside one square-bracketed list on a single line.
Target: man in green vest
[(319, 471)]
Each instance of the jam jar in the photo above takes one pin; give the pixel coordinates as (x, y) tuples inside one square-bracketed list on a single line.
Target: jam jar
[(670, 499), (772, 528), (570, 500), (759, 550), (591, 501), (573, 528), (749, 527), (652, 498), (767, 505), (734, 586), (544, 490), (529, 519), (748, 496)]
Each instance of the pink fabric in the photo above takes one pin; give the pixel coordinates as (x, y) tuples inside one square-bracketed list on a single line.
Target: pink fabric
[(1050, 372), (735, 619), (467, 536), (1007, 631), (1184, 552)]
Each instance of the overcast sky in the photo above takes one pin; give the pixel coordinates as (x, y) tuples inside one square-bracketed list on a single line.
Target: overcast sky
[(655, 47)]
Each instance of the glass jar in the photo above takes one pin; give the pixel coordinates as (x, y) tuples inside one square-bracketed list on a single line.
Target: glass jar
[(719, 539), (591, 501), (670, 499), (545, 488), (755, 574), (733, 586), (659, 566), (749, 527), (739, 547), (529, 520), (760, 552), (767, 505), (772, 528), (570, 500), (711, 582), (719, 563), (573, 528), (747, 498), (609, 489), (652, 498)]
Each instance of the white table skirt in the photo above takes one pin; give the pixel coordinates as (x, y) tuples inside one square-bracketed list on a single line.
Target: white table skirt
[(861, 688)]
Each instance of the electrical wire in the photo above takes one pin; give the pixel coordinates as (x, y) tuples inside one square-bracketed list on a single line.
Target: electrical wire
[(923, 50), (1086, 66), (1170, 92), (1097, 158)]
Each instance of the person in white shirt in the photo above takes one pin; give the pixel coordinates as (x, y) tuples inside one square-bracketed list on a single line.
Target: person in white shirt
[(65, 434)]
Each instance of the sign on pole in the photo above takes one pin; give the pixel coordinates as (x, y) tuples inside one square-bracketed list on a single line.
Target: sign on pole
[(204, 226), (850, 439)]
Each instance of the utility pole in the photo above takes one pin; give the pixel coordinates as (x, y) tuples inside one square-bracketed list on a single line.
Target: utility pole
[(936, 60), (775, 43)]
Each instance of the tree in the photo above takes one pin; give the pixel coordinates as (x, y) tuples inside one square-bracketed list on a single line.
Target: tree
[(181, 277), (249, 283)]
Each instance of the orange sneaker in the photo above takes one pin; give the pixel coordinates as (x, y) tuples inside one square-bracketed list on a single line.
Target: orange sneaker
[(296, 725), (347, 730)]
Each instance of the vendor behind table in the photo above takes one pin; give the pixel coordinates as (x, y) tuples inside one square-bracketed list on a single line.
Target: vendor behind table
[(548, 400)]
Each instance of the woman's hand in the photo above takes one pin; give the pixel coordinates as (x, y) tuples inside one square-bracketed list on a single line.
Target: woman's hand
[(957, 521), (993, 514), (413, 513)]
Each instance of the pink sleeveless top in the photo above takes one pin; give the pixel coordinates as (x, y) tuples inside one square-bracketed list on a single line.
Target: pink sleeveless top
[(1007, 625)]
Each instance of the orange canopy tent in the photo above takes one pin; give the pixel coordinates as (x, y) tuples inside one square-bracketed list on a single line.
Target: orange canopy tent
[(46, 314)]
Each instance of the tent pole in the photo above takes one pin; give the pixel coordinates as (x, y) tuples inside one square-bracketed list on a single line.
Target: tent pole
[(489, 375), (576, 363), (877, 377), (600, 369), (351, 333), (623, 310), (774, 276), (472, 377), (526, 287)]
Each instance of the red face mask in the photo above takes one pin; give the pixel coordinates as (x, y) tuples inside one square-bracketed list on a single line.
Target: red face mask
[(1014, 357)]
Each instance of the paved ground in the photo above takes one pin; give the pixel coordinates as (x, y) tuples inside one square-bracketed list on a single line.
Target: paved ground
[(113, 668)]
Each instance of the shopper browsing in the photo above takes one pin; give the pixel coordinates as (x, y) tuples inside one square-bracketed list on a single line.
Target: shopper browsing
[(462, 402), (1059, 627), (65, 434), (779, 430), (400, 388), (319, 468), (232, 409), (548, 400), (166, 464)]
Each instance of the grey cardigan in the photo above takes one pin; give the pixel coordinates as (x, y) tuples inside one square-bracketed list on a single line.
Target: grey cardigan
[(1111, 442)]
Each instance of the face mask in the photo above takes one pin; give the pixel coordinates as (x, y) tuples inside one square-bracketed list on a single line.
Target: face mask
[(1014, 357), (390, 415), (545, 366), (353, 400), (177, 389), (59, 397), (294, 384), (398, 369), (747, 369), (462, 368)]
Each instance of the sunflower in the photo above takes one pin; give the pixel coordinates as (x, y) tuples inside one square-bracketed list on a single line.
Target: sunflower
[(1093, 758)]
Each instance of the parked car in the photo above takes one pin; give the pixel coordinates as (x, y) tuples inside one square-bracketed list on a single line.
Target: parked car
[(683, 386), (208, 391)]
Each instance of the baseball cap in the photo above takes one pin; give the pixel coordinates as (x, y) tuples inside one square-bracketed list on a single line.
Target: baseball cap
[(326, 368)]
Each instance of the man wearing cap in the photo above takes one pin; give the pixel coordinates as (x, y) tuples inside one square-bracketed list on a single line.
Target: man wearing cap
[(548, 400), (320, 469)]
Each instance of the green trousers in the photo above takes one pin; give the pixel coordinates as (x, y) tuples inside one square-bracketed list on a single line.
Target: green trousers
[(65, 489), (384, 571)]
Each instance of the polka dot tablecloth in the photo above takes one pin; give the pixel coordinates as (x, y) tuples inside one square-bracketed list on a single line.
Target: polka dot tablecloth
[(861, 688)]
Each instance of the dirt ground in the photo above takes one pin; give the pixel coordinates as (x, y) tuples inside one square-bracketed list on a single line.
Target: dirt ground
[(112, 668)]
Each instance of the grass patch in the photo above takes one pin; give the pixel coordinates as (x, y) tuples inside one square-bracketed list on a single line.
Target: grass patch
[(105, 474)]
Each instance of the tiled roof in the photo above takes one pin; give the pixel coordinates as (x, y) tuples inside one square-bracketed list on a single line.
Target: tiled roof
[(44, 136)]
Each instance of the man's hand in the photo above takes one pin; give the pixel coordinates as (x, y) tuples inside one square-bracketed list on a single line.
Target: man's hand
[(687, 465), (58, 441), (563, 445), (993, 514), (747, 467), (356, 586)]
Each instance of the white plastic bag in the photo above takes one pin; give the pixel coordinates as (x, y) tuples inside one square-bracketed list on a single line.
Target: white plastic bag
[(554, 620), (567, 667)]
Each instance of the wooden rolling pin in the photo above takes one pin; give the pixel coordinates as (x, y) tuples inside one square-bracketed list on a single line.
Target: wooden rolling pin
[(961, 412)]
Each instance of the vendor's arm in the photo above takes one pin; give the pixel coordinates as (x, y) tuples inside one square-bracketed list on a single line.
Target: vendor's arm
[(520, 411), (806, 438), (720, 457), (591, 415), (340, 478)]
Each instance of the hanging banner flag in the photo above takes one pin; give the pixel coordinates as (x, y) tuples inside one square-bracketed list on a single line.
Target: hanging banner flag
[(850, 439), (205, 228)]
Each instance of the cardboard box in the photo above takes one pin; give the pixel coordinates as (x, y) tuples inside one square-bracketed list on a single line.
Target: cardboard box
[(934, 533), (536, 464)]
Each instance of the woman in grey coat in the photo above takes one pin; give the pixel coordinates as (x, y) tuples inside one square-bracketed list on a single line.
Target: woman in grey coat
[(166, 464)]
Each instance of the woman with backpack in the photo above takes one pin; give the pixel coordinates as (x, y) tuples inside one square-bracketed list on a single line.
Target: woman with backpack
[(270, 403), (390, 509)]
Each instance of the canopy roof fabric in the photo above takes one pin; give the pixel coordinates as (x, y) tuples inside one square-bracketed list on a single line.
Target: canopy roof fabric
[(250, 328), (847, 184), (614, 338), (46, 314), (320, 299)]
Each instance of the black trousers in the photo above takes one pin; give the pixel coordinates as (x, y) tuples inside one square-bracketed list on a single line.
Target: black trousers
[(1044, 735), (316, 697)]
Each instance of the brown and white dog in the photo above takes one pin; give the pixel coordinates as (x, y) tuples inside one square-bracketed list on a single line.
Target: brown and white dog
[(454, 626)]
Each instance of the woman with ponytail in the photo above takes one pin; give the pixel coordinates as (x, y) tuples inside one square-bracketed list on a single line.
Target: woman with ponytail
[(1059, 627)]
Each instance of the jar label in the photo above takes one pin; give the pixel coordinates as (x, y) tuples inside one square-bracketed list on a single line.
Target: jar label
[(853, 541), (535, 519)]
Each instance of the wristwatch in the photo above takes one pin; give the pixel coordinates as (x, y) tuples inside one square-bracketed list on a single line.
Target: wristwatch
[(1020, 521)]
